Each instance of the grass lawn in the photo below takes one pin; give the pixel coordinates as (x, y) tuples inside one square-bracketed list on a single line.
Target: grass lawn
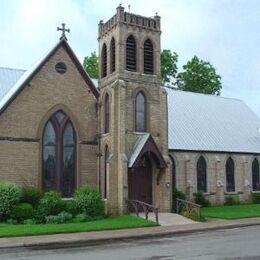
[(232, 212), (119, 222)]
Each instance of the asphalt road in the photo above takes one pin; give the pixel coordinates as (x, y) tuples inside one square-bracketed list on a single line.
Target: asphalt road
[(238, 243)]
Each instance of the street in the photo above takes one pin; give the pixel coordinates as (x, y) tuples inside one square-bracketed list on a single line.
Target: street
[(237, 243)]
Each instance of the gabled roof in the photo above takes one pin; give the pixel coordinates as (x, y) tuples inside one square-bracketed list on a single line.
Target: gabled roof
[(27, 76), (211, 123), (146, 144)]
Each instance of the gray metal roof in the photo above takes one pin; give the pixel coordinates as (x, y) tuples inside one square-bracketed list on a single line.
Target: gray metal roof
[(8, 77), (211, 123), (141, 140), (195, 121)]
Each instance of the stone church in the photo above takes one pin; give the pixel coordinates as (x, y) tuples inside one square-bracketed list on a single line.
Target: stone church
[(126, 135)]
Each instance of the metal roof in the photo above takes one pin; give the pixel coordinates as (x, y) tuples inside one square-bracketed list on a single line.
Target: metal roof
[(211, 123), (8, 77), (141, 140), (195, 121)]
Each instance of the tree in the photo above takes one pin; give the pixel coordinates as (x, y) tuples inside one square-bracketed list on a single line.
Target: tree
[(90, 65), (199, 76), (168, 66)]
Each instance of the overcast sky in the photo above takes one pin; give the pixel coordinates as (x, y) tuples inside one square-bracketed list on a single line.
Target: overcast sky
[(223, 32)]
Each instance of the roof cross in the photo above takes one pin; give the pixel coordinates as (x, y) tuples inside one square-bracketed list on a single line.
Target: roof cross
[(63, 36)]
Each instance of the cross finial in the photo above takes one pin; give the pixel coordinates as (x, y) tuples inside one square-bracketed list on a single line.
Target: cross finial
[(63, 35), (129, 7)]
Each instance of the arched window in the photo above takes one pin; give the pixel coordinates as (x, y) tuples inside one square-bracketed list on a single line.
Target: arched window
[(104, 61), (148, 57), (112, 55), (230, 175), (173, 173), (105, 172), (59, 155), (131, 53), (107, 113), (201, 175), (255, 175), (140, 112)]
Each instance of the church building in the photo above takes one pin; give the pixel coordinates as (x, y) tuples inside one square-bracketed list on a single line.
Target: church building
[(127, 135)]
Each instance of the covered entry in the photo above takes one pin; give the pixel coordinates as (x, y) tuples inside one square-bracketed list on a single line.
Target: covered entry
[(146, 157)]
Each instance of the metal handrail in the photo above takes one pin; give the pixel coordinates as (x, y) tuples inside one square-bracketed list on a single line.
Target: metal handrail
[(137, 205), (188, 206)]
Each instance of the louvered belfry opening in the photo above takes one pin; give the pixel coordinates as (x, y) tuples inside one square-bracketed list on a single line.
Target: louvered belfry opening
[(148, 57), (131, 54), (112, 55), (104, 61)]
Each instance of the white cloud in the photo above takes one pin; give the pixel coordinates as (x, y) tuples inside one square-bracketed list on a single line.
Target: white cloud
[(226, 33)]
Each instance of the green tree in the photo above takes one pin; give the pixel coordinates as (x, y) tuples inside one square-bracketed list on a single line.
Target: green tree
[(168, 67), (199, 76), (90, 65)]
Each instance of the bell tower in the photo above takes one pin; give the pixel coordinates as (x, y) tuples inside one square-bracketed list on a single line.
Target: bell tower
[(132, 113)]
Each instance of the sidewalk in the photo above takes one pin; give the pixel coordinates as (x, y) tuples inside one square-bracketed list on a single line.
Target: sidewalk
[(90, 238)]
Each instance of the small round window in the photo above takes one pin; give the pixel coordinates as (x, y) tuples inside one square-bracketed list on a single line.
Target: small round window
[(61, 67)]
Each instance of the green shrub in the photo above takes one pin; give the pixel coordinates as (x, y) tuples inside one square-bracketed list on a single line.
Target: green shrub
[(39, 215), (10, 194), (31, 195), (12, 221), (28, 221), (176, 194), (81, 218), (192, 214), (22, 211), (63, 217), (231, 200), (51, 203), (201, 199), (71, 207), (89, 202), (255, 198)]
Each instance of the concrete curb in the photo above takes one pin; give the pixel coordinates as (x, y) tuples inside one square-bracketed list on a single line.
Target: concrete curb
[(101, 237)]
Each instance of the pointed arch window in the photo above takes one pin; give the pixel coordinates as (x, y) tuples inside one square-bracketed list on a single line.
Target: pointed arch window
[(230, 175), (112, 55), (105, 172), (104, 61), (59, 155), (255, 175), (107, 114), (148, 57), (140, 112), (201, 175), (131, 53)]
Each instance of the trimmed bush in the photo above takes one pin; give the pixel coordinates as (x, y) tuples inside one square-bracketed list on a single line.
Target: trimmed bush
[(176, 194), (255, 198), (201, 199), (39, 215), (22, 211), (63, 217), (28, 221), (231, 200), (192, 214), (81, 218), (31, 195), (10, 194), (89, 202), (51, 203), (71, 207)]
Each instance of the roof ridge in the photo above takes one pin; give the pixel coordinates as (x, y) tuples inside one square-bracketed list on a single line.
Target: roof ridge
[(203, 94)]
